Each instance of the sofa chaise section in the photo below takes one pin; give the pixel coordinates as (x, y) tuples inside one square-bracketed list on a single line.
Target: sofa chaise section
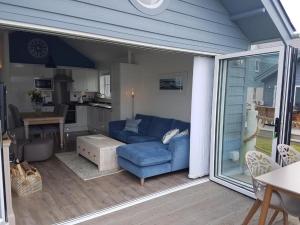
[(145, 155), (154, 158)]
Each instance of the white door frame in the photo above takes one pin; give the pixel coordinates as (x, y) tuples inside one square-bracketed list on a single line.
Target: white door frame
[(95, 37), (2, 195), (216, 94)]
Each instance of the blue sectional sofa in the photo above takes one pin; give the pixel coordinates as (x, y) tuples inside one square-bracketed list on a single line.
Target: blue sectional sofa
[(145, 155)]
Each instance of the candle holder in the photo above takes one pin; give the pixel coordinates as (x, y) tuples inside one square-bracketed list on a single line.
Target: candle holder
[(132, 103)]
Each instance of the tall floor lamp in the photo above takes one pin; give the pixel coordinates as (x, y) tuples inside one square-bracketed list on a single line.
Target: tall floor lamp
[(132, 102)]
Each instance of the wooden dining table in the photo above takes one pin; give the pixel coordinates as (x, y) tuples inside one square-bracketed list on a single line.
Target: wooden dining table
[(42, 118), (285, 179)]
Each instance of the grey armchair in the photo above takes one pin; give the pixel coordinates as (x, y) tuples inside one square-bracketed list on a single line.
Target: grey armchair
[(259, 163)]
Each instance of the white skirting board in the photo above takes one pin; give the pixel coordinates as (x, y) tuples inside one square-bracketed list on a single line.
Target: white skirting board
[(133, 202), (202, 90)]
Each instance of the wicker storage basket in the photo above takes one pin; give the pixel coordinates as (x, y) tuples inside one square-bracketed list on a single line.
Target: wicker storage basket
[(25, 179)]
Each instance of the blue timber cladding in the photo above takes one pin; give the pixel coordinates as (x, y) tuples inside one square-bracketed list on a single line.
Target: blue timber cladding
[(234, 115), (199, 25)]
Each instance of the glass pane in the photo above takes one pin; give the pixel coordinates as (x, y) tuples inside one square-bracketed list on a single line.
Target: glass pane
[(295, 135), (104, 86), (246, 112)]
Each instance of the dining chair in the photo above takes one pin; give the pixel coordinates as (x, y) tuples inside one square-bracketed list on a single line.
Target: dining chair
[(53, 129), (288, 154), (259, 163), (16, 120)]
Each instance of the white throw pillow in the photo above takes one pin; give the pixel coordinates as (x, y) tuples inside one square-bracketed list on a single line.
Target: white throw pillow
[(182, 133), (169, 135)]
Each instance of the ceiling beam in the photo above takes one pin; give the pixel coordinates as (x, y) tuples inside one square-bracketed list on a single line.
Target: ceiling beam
[(248, 14)]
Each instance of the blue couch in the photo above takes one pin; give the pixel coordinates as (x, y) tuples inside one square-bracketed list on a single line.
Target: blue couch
[(145, 155)]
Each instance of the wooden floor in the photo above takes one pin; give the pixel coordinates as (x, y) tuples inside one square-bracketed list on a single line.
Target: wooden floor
[(204, 204), (66, 196)]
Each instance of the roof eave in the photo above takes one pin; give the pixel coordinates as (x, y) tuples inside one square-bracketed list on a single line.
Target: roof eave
[(280, 19)]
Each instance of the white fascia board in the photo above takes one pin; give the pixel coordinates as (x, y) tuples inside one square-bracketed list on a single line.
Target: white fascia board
[(295, 42), (280, 19)]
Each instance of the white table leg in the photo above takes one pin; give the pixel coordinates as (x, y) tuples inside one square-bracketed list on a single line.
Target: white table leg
[(61, 132), (26, 127)]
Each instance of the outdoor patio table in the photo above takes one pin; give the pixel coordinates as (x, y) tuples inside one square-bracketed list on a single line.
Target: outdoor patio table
[(41, 118), (283, 180)]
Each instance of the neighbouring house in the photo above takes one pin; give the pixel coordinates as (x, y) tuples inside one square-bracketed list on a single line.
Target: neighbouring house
[(115, 101)]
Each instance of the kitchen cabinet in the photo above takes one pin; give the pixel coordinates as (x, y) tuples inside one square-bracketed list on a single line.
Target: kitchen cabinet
[(81, 120), (81, 115), (85, 80), (98, 119)]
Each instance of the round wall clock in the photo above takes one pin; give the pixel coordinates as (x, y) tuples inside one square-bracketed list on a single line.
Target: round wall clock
[(38, 48)]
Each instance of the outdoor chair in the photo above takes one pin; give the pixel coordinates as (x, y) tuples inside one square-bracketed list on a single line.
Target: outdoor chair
[(289, 155), (259, 163)]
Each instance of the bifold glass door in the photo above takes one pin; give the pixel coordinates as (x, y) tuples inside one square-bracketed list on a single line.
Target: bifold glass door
[(247, 93)]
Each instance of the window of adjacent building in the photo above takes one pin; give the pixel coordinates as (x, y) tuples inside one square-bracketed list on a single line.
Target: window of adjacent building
[(257, 65), (297, 97), (104, 85)]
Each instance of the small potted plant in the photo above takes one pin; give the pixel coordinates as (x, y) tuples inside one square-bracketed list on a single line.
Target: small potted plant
[(36, 100)]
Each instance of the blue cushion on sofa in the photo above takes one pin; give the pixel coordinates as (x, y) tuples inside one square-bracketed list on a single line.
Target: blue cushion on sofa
[(145, 154), (138, 139), (144, 124), (123, 135), (177, 124), (159, 126)]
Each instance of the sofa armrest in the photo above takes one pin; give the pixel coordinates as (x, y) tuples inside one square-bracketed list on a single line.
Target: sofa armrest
[(180, 149), (117, 125)]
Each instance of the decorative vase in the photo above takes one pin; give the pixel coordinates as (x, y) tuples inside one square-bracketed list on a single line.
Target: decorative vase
[(37, 106)]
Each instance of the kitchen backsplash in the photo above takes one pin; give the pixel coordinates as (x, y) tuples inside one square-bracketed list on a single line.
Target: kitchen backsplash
[(74, 96)]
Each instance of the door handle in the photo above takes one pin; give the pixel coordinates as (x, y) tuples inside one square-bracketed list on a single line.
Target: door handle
[(277, 128)]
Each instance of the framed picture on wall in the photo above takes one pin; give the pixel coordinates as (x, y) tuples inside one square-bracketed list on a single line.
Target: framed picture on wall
[(172, 82)]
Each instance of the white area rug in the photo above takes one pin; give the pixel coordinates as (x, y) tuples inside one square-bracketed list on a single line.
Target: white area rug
[(85, 169)]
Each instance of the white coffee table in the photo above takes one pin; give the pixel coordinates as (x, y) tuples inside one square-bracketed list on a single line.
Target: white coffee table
[(100, 150)]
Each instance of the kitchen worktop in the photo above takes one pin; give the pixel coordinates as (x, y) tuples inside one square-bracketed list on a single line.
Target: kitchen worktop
[(94, 104), (103, 105)]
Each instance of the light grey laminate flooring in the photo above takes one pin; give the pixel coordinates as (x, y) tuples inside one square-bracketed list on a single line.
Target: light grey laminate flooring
[(205, 204), (65, 195)]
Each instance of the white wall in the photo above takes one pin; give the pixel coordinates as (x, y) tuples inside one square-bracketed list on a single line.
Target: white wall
[(150, 100), (21, 81), (18, 79)]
